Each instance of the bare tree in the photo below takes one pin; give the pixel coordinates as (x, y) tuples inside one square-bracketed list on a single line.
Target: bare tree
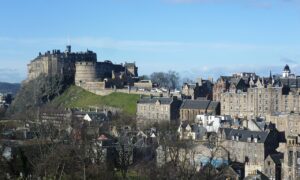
[(168, 80)]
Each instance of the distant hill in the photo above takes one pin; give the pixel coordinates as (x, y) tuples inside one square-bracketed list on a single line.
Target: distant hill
[(76, 97), (9, 87)]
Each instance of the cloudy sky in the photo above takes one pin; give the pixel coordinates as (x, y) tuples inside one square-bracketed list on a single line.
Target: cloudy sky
[(194, 37)]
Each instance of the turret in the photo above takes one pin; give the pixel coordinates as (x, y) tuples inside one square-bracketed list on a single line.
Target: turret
[(286, 71)]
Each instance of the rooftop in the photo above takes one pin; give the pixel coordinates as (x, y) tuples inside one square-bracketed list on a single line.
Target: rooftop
[(199, 104), (152, 100), (244, 135)]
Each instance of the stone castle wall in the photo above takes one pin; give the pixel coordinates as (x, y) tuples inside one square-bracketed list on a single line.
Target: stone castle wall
[(85, 72), (58, 63), (81, 66)]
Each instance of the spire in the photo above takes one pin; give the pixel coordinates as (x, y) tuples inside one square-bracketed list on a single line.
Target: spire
[(270, 77)]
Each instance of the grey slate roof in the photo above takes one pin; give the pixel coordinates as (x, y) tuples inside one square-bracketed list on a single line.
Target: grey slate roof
[(195, 104), (153, 100), (226, 78), (199, 104), (291, 82), (245, 134), (213, 105)]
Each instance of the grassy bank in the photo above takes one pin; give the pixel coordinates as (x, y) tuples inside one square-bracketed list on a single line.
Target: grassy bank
[(76, 97)]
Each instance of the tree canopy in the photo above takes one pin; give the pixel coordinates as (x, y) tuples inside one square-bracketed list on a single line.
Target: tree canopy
[(167, 80)]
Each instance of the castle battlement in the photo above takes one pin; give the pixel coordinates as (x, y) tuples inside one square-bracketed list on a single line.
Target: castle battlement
[(81, 66)]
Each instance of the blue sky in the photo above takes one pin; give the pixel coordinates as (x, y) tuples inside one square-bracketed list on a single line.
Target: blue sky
[(194, 37)]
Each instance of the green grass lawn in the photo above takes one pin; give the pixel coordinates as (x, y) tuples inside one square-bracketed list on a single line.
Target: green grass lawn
[(76, 97)]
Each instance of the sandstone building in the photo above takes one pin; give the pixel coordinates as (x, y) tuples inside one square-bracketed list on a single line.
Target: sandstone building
[(291, 163), (158, 109), (272, 166), (252, 96), (287, 123), (201, 89), (249, 147)]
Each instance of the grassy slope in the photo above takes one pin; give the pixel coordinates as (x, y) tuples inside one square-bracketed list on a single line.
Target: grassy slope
[(80, 98)]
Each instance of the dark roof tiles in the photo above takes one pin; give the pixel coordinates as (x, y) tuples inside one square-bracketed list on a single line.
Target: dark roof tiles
[(162, 100), (245, 134), (199, 104)]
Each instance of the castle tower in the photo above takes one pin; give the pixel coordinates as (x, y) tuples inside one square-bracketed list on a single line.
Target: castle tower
[(85, 72)]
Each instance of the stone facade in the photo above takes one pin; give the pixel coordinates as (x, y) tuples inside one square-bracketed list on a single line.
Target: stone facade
[(158, 109), (202, 89), (272, 166), (58, 63), (82, 67), (144, 84), (131, 69), (250, 147), (291, 164), (85, 72), (288, 123), (252, 96), (257, 101)]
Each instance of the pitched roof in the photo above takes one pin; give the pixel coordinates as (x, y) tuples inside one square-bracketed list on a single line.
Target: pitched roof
[(162, 100), (195, 104), (213, 105), (226, 78), (291, 82), (199, 104), (245, 134)]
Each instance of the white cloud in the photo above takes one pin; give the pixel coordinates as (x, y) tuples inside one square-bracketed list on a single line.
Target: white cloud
[(141, 45)]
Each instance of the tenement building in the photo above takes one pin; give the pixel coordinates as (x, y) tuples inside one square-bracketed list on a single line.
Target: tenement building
[(158, 109), (254, 96), (249, 147)]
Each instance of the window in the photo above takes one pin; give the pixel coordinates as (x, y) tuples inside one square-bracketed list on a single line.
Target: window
[(290, 158)]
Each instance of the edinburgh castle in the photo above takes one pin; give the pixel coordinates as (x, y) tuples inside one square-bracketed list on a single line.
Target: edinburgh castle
[(82, 68)]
